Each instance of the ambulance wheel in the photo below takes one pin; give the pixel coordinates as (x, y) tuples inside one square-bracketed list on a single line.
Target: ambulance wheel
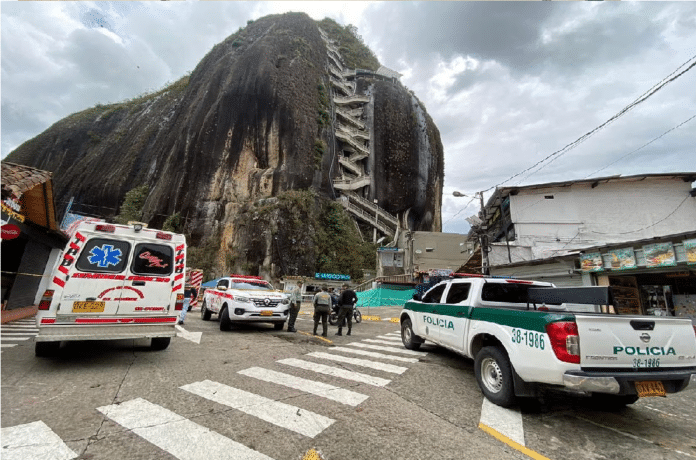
[(494, 376), (205, 313), (160, 343), (46, 349), (278, 326), (408, 337), (225, 323)]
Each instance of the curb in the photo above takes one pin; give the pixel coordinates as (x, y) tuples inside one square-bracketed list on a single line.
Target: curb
[(18, 313)]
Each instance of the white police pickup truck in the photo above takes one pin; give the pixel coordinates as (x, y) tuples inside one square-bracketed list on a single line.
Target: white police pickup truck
[(525, 335), (245, 299)]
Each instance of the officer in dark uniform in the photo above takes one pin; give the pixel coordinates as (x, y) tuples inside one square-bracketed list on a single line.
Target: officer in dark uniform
[(346, 301)]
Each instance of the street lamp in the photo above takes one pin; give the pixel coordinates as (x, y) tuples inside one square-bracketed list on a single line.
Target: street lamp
[(480, 230)]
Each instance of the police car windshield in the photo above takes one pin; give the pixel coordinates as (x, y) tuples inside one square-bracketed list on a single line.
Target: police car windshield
[(255, 285)]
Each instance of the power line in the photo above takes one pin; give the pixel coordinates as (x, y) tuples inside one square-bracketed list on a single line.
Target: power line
[(460, 211), (642, 98), (642, 146)]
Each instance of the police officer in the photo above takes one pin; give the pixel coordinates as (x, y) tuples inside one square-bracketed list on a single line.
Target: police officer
[(346, 301), (295, 303), (322, 307)]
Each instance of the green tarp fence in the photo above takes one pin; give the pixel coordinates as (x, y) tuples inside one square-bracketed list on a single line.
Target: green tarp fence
[(385, 297)]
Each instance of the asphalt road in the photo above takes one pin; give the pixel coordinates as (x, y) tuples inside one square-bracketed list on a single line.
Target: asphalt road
[(258, 393)]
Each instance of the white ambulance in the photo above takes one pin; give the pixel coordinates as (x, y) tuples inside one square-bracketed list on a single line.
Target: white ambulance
[(114, 282)]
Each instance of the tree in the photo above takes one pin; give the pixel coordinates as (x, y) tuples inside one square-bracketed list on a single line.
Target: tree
[(133, 202)]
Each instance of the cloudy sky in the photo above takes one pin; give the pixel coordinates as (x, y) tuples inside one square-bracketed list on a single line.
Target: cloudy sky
[(511, 86)]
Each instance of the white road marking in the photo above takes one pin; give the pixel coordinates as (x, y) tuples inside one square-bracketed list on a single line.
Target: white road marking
[(391, 349), (194, 337), (507, 422), (19, 327), (335, 372), (321, 389), (391, 342), (33, 441), (173, 433), (6, 339), (392, 338), (284, 415), (8, 345), (373, 354), (5, 333), (361, 362)]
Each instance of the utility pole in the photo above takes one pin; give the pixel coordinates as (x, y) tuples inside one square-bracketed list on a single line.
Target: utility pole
[(483, 238), (481, 230)]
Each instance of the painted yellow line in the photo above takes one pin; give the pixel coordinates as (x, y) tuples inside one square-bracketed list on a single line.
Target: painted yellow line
[(316, 336), (372, 318), (501, 437), (312, 455), (393, 320)]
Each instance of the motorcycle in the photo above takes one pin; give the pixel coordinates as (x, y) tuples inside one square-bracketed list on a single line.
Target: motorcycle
[(333, 316)]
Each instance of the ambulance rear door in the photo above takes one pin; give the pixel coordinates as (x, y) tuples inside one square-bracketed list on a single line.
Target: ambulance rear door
[(151, 284), (95, 283)]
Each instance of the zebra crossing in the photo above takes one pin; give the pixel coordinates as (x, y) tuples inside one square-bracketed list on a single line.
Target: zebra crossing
[(11, 334), (185, 439)]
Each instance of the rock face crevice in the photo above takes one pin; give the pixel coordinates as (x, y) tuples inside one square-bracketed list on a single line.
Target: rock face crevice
[(249, 123)]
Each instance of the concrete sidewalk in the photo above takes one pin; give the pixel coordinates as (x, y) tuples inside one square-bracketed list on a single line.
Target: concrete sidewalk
[(18, 313)]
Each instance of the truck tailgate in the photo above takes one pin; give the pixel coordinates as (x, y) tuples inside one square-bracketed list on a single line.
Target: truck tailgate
[(637, 342)]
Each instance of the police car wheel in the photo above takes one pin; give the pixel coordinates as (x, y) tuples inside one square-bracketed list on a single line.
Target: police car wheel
[(205, 313), (225, 323), (494, 376), (408, 337)]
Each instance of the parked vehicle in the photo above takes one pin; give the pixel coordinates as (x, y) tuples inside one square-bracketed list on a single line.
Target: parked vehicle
[(526, 335), (245, 299), (333, 316), (114, 282)]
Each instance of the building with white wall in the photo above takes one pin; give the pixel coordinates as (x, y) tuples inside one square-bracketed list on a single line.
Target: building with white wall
[(637, 233)]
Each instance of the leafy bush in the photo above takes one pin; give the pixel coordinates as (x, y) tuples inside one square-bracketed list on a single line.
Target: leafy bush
[(132, 207)]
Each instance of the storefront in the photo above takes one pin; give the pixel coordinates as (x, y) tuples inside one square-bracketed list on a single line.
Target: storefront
[(649, 277), (31, 241)]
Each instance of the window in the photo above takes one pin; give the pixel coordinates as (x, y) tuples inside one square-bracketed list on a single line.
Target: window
[(435, 294), (458, 292), (153, 259), (256, 285), (224, 283), (103, 255), (509, 293)]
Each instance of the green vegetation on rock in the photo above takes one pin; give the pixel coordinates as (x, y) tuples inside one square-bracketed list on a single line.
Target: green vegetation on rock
[(350, 44)]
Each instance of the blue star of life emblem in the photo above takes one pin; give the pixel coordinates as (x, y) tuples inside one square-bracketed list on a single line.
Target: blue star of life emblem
[(104, 256)]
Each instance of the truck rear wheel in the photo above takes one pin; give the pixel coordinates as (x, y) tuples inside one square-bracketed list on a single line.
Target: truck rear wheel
[(205, 313), (494, 376), (225, 323), (408, 337)]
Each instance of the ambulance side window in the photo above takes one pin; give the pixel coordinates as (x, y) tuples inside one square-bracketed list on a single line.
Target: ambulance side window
[(152, 259), (103, 255)]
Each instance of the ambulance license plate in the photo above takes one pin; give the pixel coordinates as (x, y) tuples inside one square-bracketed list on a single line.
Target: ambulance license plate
[(650, 389), (266, 313), (88, 307)]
